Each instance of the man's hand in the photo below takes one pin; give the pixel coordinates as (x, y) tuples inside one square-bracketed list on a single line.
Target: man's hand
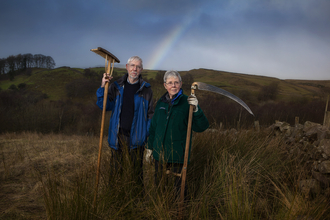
[(192, 100), (105, 79)]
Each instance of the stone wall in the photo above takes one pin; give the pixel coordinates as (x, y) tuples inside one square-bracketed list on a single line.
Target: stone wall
[(311, 143)]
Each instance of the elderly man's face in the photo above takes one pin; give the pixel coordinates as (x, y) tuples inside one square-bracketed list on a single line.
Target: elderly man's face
[(134, 69)]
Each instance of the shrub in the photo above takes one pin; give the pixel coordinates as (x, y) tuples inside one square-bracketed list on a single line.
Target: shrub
[(21, 86), (80, 88), (269, 92), (13, 87)]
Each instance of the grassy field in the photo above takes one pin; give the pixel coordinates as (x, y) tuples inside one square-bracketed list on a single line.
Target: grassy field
[(244, 175)]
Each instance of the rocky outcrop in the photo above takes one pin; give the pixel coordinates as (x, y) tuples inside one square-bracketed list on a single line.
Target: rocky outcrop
[(311, 143)]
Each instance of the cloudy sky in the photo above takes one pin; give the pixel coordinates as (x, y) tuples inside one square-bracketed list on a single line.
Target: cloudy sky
[(286, 39)]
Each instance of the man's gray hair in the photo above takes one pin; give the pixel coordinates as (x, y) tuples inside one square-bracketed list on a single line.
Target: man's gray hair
[(135, 58), (171, 73)]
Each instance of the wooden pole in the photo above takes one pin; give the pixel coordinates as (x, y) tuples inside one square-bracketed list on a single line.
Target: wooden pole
[(327, 121), (105, 98), (256, 126), (325, 112), (296, 121), (185, 164), (186, 154), (239, 120)]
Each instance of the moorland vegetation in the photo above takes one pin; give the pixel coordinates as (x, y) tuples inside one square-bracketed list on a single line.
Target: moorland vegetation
[(63, 99), (244, 175), (49, 127)]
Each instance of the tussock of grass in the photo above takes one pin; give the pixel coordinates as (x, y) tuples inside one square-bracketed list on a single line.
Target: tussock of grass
[(244, 175)]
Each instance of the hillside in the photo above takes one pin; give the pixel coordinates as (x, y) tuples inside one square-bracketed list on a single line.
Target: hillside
[(52, 82), (63, 99), (288, 89)]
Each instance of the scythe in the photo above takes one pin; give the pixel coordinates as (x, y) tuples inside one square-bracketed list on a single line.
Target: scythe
[(210, 88)]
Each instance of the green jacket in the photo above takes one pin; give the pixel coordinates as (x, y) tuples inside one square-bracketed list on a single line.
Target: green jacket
[(168, 129)]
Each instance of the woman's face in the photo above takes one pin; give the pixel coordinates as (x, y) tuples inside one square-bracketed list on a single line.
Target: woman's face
[(172, 85)]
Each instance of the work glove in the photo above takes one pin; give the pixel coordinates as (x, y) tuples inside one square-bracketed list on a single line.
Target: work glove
[(192, 100), (148, 156)]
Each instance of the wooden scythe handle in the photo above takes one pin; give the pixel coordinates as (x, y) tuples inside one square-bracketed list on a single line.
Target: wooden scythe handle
[(105, 98), (186, 154), (108, 58)]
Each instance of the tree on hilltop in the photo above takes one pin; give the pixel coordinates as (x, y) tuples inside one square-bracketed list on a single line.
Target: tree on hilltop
[(20, 62)]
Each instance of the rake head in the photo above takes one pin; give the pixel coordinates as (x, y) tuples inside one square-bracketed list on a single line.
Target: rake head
[(105, 54)]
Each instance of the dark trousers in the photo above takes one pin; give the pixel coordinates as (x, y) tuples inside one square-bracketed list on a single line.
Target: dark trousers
[(135, 158), (168, 174)]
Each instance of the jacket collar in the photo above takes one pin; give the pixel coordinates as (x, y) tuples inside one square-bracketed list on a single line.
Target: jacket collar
[(166, 97), (121, 82)]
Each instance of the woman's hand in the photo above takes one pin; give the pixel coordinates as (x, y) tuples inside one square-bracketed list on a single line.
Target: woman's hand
[(192, 100)]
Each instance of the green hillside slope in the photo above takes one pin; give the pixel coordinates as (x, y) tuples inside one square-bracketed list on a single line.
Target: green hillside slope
[(53, 82)]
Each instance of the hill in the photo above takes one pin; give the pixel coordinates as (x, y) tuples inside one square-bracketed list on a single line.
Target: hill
[(63, 99), (236, 82), (52, 82)]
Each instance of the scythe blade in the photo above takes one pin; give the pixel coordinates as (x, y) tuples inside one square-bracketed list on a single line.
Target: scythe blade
[(210, 88)]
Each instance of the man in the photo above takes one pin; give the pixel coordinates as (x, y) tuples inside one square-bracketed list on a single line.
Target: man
[(130, 100)]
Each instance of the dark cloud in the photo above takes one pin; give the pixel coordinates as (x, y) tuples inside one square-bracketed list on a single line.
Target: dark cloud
[(266, 37)]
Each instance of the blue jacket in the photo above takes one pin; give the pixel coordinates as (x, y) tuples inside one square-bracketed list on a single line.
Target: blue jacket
[(143, 111)]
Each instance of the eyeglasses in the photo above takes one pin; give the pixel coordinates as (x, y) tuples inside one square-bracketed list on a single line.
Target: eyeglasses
[(173, 83), (133, 66)]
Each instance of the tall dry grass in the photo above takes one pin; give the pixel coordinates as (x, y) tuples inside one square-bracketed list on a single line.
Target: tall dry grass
[(30, 160), (232, 175)]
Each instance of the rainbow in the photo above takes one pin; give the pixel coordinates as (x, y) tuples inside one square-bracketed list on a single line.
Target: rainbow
[(167, 44)]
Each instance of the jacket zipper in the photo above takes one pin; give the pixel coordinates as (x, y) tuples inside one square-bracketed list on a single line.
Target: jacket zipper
[(168, 114), (118, 117), (144, 111)]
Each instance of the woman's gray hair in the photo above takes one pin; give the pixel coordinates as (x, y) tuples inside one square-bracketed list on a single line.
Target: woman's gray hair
[(171, 73), (135, 58)]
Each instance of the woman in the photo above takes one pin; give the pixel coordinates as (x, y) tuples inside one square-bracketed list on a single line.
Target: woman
[(168, 129)]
